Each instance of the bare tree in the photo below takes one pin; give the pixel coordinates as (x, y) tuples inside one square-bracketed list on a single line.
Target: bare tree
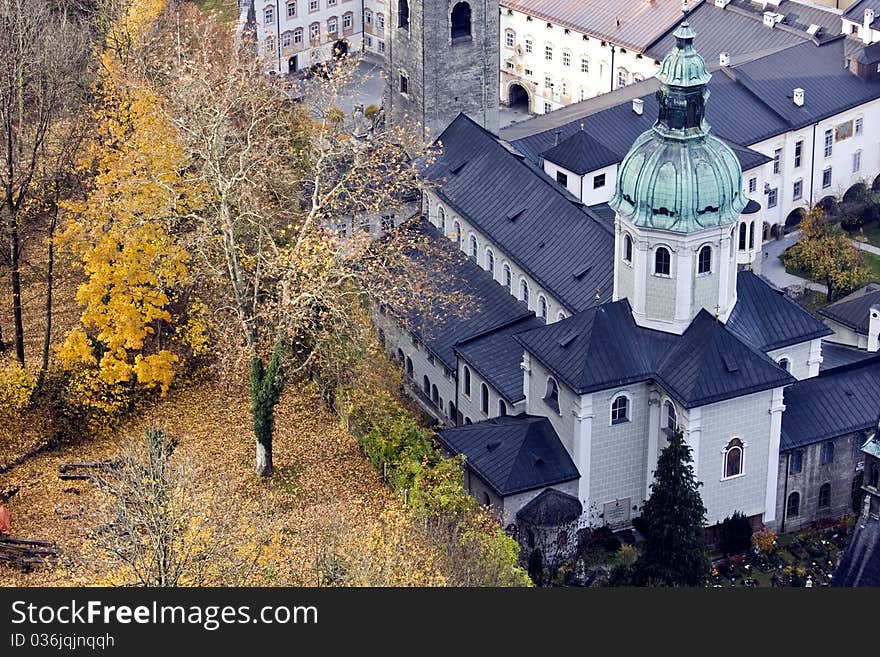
[(43, 57)]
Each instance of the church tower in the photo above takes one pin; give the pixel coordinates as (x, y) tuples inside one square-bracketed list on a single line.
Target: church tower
[(441, 59), (677, 202)]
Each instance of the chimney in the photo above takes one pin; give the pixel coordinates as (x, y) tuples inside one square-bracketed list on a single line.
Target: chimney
[(556, 134), (722, 3), (798, 97), (724, 59), (874, 329), (638, 106), (866, 26)]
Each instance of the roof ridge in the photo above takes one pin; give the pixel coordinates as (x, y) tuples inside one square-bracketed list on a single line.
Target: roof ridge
[(476, 336), (745, 80), (859, 364)]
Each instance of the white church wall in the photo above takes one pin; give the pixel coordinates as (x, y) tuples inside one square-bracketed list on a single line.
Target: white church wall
[(845, 335), (513, 503), (563, 421), (800, 357)]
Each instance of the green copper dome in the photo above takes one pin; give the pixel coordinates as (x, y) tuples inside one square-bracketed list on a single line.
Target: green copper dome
[(677, 176)]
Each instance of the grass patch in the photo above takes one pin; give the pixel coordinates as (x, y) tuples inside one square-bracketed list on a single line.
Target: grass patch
[(226, 10), (869, 234), (872, 262)]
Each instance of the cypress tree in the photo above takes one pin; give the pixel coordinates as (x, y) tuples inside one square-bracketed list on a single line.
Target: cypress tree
[(674, 553)]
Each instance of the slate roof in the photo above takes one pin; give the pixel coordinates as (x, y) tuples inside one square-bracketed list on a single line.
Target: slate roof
[(837, 402), (853, 311), (481, 304), (838, 355), (631, 24), (581, 154), (551, 508), (497, 357), (767, 319), (860, 563), (545, 231), (856, 12), (512, 454), (604, 348), (749, 103)]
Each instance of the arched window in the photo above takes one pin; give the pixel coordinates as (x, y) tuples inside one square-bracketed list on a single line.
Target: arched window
[(524, 291), (409, 367), (551, 396), (704, 260), (627, 249), (400, 356), (441, 219), (456, 232), (426, 385), (542, 307), (502, 408), (508, 277), (620, 409), (742, 237), (484, 398), (752, 235), (874, 476), (473, 247), (785, 364), (560, 316), (825, 496), (490, 262), (467, 420), (793, 506), (451, 412), (671, 421), (467, 381), (403, 14), (461, 21), (827, 453), (662, 261), (733, 458)]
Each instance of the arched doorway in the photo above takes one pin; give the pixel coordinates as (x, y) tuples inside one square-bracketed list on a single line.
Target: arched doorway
[(856, 194), (518, 98), (827, 204), (340, 48), (293, 64), (793, 219)]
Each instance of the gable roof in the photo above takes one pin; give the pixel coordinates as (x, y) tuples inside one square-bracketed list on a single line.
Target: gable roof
[(543, 229), (580, 154), (767, 319), (481, 303), (854, 311), (604, 348), (837, 402), (838, 355), (512, 454), (496, 356), (551, 508)]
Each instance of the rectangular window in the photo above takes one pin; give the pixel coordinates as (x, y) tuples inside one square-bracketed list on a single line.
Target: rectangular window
[(548, 108), (599, 181), (285, 40), (829, 142), (566, 58), (314, 31), (381, 46), (291, 9), (313, 5), (857, 161), (621, 78), (404, 84), (548, 53), (548, 82), (380, 21), (528, 45), (772, 197), (585, 65), (331, 3), (368, 17), (797, 190), (753, 185), (368, 40), (798, 153), (565, 88), (796, 462), (561, 178), (298, 36), (510, 38), (826, 178), (346, 22), (269, 15), (332, 26), (859, 126), (777, 160)]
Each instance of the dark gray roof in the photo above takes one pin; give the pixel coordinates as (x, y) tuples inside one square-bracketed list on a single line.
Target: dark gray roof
[(767, 319), (605, 213), (835, 403), (736, 30), (838, 355), (580, 153), (857, 12), (798, 16), (512, 454), (853, 311), (604, 348), (496, 356), (750, 102), (860, 563), (544, 230), (482, 303), (550, 508)]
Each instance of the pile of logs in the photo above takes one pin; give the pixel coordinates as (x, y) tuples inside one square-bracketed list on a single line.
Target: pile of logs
[(25, 553), (84, 469)]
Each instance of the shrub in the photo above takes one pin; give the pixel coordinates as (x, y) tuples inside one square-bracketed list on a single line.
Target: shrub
[(16, 388), (764, 541), (735, 534), (370, 111)]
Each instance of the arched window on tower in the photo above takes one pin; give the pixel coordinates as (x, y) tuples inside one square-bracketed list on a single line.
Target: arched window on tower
[(542, 308), (474, 248), (752, 235), (524, 291), (507, 277), (502, 408), (704, 260), (456, 232), (662, 261), (671, 423), (461, 21), (627, 249), (467, 381), (490, 262), (742, 237), (403, 14), (551, 396)]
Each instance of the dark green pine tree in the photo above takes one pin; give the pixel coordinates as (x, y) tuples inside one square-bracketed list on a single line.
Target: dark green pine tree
[(674, 552)]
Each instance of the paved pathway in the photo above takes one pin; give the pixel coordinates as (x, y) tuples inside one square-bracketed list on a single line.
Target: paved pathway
[(773, 270), (864, 246)]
